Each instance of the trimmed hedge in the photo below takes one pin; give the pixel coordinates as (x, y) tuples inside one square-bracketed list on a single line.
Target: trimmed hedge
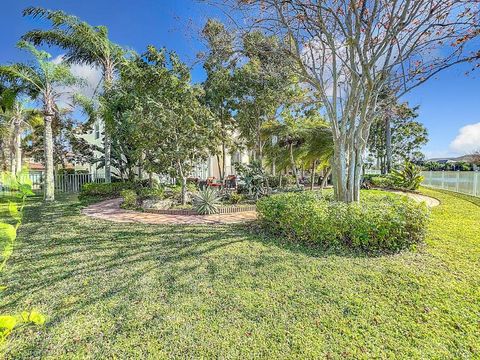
[(381, 222), (106, 190)]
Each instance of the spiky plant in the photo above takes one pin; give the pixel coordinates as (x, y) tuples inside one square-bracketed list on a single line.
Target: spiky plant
[(409, 178), (206, 201)]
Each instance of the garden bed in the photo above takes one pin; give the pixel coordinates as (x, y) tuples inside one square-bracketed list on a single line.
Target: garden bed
[(221, 210)]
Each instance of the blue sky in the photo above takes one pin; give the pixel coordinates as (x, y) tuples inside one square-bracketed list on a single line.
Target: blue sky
[(449, 104)]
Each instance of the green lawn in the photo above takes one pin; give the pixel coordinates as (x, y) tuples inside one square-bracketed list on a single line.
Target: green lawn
[(140, 291)]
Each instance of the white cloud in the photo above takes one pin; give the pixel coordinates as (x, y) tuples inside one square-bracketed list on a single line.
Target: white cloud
[(91, 77), (467, 140)]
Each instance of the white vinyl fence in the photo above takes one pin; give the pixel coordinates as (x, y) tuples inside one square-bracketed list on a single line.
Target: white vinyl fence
[(65, 183), (466, 182)]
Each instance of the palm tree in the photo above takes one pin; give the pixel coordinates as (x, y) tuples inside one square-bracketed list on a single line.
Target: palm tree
[(86, 45), (317, 148), (42, 82), (17, 119), (288, 135), (7, 100)]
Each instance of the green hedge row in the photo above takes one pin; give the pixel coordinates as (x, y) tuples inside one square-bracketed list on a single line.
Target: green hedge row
[(381, 222), (107, 190)]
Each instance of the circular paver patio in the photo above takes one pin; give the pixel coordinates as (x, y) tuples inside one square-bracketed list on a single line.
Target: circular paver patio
[(110, 210)]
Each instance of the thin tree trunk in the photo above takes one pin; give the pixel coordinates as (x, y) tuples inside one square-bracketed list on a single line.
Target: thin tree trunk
[(150, 180), (107, 144), (388, 144), (224, 167), (219, 167), (294, 168), (325, 178), (48, 140), (18, 149), (312, 176), (184, 183), (12, 160)]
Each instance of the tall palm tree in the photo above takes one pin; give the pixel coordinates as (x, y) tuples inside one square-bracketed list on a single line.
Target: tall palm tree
[(17, 119), (42, 82), (85, 44), (7, 101)]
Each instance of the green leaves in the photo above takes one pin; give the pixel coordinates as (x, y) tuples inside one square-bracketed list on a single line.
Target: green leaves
[(33, 317), (7, 323), (206, 202)]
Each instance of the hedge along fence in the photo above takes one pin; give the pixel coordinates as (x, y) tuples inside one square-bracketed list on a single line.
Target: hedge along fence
[(381, 222), (220, 210)]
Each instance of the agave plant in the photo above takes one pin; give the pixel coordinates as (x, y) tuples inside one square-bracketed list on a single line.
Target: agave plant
[(206, 201), (409, 178)]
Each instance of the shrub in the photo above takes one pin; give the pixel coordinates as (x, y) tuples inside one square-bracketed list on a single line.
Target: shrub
[(206, 201), (105, 190), (129, 199), (154, 194), (381, 182), (381, 222), (173, 192), (235, 198)]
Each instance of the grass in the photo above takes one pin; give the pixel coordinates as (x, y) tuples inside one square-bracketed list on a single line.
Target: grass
[(141, 291)]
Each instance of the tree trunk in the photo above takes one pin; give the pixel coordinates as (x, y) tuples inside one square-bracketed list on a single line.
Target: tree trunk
[(184, 190), (388, 144), (150, 180), (219, 167), (224, 167), (12, 159), (48, 140), (18, 148), (108, 157), (294, 167), (184, 183), (312, 175), (107, 144), (347, 169), (325, 178)]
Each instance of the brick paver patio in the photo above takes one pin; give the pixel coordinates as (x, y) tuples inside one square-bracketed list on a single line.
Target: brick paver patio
[(110, 210)]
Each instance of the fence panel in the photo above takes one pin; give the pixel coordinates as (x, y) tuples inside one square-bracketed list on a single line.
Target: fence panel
[(64, 183), (466, 182)]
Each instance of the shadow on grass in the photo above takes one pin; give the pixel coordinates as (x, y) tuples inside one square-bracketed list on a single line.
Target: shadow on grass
[(68, 264)]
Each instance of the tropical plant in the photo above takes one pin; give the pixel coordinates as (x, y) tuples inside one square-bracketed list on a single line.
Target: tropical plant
[(43, 81), (206, 201), (85, 44), (18, 119), (408, 178), (130, 199), (20, 186), (254, 178)]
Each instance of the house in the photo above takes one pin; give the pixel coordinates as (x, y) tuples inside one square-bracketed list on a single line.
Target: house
[(203, 170)]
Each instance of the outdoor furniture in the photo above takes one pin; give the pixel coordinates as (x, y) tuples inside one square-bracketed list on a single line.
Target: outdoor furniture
[(231, 182), (211, 181)]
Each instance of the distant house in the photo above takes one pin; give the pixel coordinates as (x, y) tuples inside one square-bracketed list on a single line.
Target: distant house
[(453, 160)]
